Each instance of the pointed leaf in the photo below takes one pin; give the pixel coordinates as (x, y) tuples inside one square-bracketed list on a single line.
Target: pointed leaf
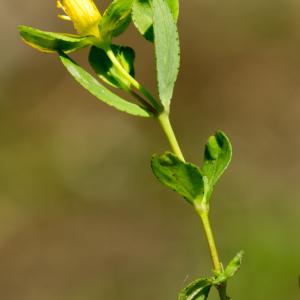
[(166, 50), (234, 265), (197, 290), (98, 90), (183, 178), (107, 71), (51, 41), (142, 16), (116, 19), (217, 156), (231, 268)]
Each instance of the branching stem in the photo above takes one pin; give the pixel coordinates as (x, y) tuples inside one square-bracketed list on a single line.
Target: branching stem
[(132, 80), (164, 121)]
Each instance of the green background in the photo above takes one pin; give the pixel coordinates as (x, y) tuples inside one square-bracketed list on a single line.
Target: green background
[(82, 217)]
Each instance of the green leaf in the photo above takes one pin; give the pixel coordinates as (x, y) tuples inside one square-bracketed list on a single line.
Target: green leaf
[(217, 156), (174, 7), (142, 16), (231, 269), (183, 178), (197, 290), (107, 71), (234, 265), (98, 90), (51, 41), (116, 19), (166, 50)]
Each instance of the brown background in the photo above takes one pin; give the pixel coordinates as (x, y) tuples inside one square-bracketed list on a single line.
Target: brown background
[(81, 216)]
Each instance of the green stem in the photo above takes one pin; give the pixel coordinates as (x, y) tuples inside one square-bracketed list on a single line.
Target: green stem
[(164, 122), (222, 291), (217, 266), (132, 81), (143, 102), (211, 241)]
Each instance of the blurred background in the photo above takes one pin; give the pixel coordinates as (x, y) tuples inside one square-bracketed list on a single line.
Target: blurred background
[(82, 217)]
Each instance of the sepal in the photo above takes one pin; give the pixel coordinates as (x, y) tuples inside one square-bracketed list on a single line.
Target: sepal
[(46, 41), (115, 20)]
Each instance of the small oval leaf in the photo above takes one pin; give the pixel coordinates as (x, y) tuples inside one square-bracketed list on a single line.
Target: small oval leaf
[(184, 178), (217, 156)]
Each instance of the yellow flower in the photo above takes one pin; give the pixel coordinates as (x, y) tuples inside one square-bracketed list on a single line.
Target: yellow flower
[(83, 13)]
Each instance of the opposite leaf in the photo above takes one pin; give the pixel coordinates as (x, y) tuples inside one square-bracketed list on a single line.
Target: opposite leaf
[(197, 290), (142, 16), (231, 268), (166, 50), (107, 71), (217, 156), (183, 178), (51, 41), (116, 18), (98, 90)]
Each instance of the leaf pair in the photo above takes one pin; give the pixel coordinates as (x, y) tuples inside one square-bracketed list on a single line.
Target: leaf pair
[(199, 289), (193, 183)]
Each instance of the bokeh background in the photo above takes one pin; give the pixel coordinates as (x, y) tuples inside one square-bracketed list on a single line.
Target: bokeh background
[(82, 217)]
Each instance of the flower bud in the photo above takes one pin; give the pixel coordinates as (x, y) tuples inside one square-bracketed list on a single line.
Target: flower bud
[(83, 13)]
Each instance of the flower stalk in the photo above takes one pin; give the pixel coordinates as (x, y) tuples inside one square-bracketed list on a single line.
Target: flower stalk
[(132, 80)]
